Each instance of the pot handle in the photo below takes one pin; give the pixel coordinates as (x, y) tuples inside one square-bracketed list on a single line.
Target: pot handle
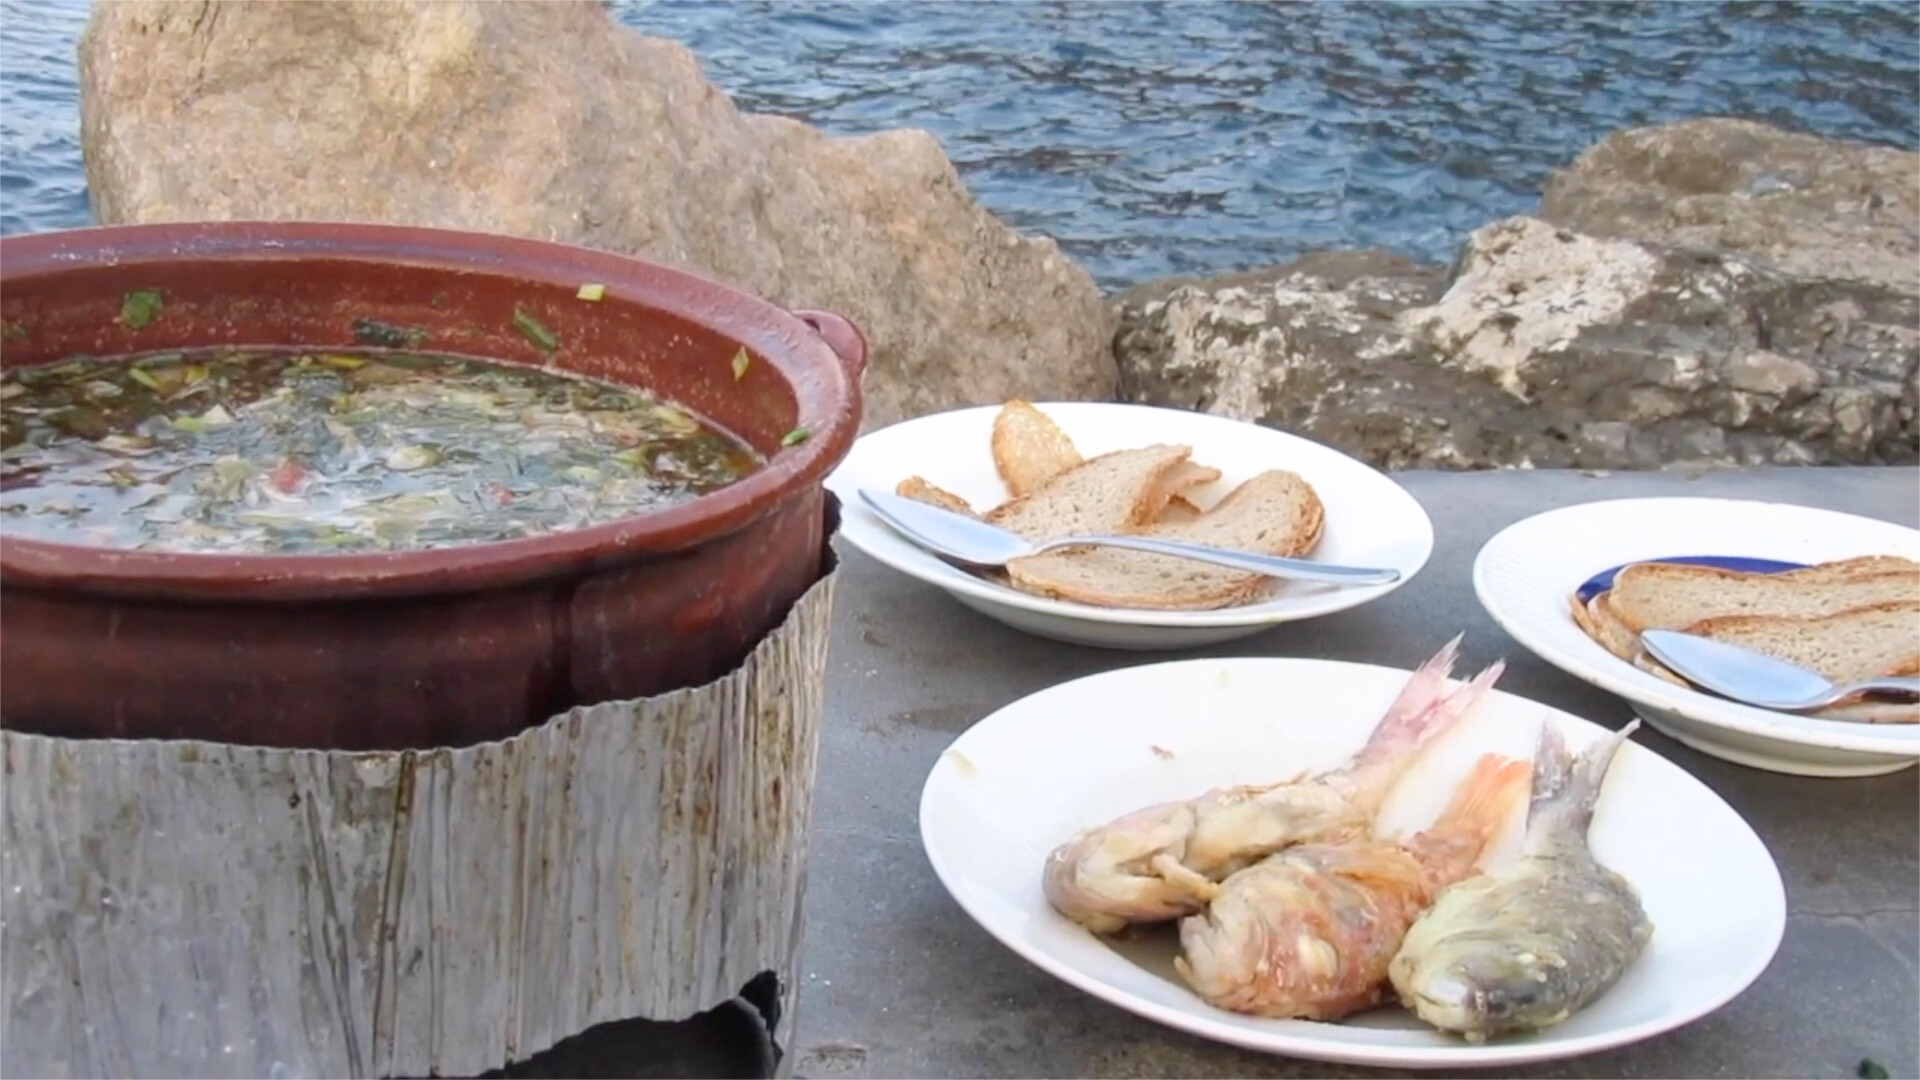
[(844, 338)]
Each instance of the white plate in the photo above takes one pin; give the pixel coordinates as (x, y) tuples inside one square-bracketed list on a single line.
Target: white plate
[(1371, 521), (1081, 753), (1525, 574)]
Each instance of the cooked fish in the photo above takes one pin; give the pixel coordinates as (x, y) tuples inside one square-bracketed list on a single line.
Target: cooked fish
[(1308, 932), (1525, 947), (1165, 861)]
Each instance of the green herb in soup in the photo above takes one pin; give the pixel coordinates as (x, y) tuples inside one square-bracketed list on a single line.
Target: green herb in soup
[(337, 451)]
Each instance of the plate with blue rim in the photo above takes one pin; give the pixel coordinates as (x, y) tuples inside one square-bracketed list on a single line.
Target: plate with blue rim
[(1529, 575), (1603, 580)]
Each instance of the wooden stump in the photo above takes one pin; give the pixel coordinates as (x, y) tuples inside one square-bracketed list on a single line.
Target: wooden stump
[(201, 909)]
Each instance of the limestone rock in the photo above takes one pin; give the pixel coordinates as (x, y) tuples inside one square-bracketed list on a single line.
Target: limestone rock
[(1815, 207), (1312, 347), (1542, 347), (549, 120)]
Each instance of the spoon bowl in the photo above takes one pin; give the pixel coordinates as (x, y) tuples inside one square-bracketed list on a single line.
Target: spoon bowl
[(1740, 673)]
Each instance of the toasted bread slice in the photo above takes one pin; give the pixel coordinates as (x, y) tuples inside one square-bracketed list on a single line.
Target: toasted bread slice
[(1181, 479), (1577, 609), (1598, 620), (1178, 511), (1599, 623), (1276, 513), (1668, 596), (1860, 643), (1116, 492), (923, 490), (1841, 569), (1029, 449)]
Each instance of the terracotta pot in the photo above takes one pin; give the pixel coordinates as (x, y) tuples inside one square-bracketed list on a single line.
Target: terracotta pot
[(436, 647)]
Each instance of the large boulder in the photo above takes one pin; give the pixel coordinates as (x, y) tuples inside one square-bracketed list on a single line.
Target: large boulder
[(1713, 292), (1814, 207), (1541, 348), (549, 120)]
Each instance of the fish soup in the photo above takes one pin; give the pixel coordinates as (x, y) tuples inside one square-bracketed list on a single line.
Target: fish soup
[(294, 451)]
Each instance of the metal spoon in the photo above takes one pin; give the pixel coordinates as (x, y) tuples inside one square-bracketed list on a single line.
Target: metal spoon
[(972, 541), (1742, 674)]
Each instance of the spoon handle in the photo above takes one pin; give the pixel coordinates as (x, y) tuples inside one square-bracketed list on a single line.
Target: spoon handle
[(1270, 565), (1899, 684)]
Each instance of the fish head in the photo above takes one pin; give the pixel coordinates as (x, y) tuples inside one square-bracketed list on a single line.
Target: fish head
[(1449, 1002), (1485, 988)]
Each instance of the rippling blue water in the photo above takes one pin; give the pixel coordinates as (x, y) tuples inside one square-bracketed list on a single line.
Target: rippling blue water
[(1155, 139)]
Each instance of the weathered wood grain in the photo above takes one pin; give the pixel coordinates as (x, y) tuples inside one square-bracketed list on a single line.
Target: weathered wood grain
[(199, 909)]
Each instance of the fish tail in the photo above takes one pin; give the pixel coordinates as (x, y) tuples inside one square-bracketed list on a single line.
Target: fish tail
[(1552, 768), (1491, 792), (1400, 738), (1423, 687), (1566, 786), (1405, 718)]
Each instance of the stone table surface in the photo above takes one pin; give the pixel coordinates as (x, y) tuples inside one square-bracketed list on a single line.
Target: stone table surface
[(896, 981)]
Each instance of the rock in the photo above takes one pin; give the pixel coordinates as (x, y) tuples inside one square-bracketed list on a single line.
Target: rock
[(1311, 347), (1708, 292), (552, 121), (1805, 205), (1542, 347)]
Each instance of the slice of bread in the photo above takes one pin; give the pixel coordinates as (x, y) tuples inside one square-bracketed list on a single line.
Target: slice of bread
[(1600, 623), (1597, 620), (1842, 569), (1116, 492), (1181, 479), (1029, 449), (1275, 513), (1178, 511), (922, 490), (1577, 610), (1860, 643), (1669, 596)]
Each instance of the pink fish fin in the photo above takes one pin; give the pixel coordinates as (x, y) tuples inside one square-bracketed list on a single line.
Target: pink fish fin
[(1400, 740), (1405, 719), (1492, 792)]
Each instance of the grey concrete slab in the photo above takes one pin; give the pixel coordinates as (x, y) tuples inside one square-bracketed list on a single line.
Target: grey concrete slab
[(898, 982)]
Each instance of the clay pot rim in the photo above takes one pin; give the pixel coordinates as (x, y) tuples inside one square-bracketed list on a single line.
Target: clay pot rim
[(820, 355)]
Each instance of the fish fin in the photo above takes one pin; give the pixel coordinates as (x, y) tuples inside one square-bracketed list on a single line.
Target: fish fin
[(1552, 766), (1490, 793), (1423, 688), (1566, 785), (1485, 800), (1397, 743), (1590, 768), (1408, 721)]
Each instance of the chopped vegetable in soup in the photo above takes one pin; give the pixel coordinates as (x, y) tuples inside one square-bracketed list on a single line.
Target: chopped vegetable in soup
[(289, 451)]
